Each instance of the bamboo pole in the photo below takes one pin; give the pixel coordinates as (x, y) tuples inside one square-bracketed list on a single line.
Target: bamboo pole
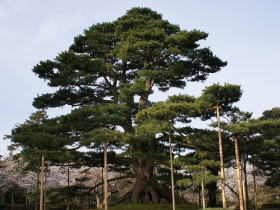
[(105, 177), (238, 173), (42, 184), (221, 157), (172, 171)]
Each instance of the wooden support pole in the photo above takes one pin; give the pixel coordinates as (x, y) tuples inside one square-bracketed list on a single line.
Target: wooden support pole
[(243, 186), (238, 173), (203, 195), (45, 191), (105, 177), (172, 172), (255, 186), (221, 158), (68, 185), (244, 195), (37, 187), (42, 183), (246, 198)]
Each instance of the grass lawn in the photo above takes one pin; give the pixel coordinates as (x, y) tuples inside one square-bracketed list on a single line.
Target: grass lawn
[(153, 207)]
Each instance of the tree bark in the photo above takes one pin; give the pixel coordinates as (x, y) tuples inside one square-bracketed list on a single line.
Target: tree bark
[(212, 194), (221, 158), (144, 189), (143, 186), (12, 199), (98, 201), (238, 173), (144, 98), (26, 197)]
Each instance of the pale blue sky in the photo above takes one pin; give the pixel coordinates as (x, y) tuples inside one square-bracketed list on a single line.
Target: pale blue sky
[(244, 32)]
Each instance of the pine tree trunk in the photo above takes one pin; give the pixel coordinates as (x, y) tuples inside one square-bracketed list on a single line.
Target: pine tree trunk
[(142, 191), (212, 194), (105, 178), (238, 173), (12, 199), (221, 158), (145, 190), (26, 197), (98, 201), (199, 197)]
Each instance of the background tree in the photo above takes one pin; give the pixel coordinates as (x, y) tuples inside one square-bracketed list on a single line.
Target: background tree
[(255, 130), (269, 158), (220, 98)]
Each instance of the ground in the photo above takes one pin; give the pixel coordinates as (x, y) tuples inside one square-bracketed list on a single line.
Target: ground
[(159, 207)]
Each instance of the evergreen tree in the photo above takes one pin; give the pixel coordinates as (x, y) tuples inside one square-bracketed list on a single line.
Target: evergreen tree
[(121, 62), (268, 159), (253, 135)]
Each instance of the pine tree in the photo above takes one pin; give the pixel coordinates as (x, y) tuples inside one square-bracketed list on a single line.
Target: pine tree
[(121, 62), (254, 133)]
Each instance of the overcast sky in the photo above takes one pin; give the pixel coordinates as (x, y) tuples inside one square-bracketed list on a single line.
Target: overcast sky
[(244, 33)]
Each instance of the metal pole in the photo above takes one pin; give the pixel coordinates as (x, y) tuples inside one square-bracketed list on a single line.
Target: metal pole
[(221, 157), (172, 175)]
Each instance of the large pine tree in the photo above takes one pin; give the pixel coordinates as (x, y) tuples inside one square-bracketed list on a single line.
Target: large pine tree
[(120, 63)]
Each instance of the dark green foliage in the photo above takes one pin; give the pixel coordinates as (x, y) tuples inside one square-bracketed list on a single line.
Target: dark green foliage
[(135, 47), (269, 158), (223, 96)]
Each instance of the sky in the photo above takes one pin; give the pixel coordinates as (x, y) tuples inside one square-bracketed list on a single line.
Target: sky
[(243, 33)]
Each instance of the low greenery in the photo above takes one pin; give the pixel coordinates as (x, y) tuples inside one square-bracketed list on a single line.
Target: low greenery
[(153, 207)]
